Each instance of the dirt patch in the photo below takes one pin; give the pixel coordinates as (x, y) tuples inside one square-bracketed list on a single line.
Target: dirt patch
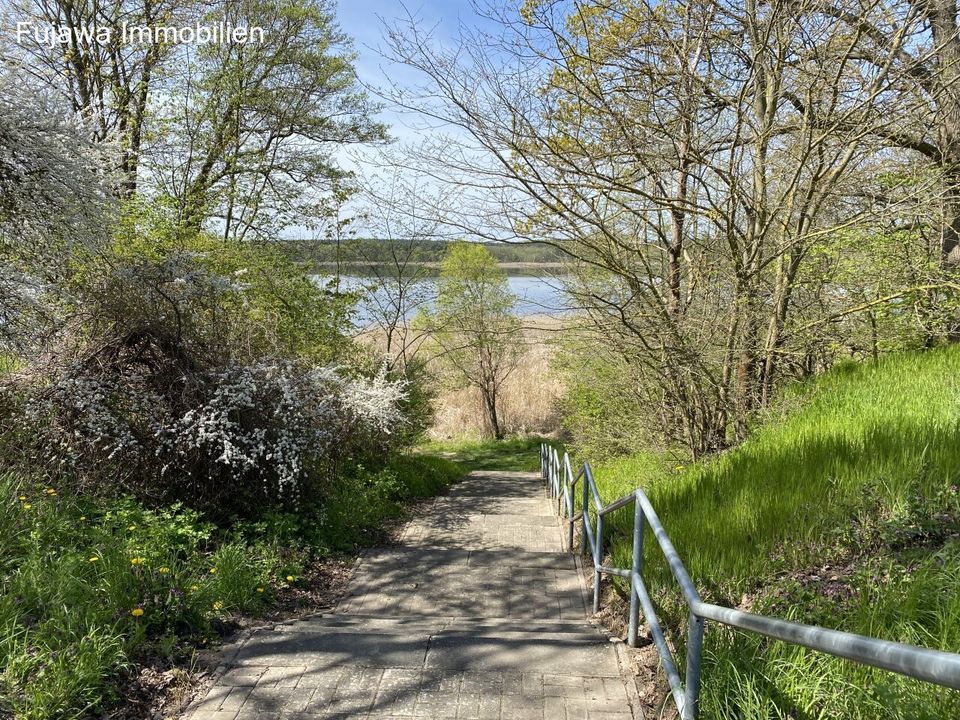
[(158, 690), (319, 589)]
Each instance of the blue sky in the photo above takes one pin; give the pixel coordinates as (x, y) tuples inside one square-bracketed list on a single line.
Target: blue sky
[(363, 20)]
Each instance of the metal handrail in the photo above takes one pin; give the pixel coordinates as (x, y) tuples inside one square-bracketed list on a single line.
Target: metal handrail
[(933, 666)]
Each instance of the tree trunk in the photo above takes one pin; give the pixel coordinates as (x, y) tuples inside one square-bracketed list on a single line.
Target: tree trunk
[(490, 404), (942, 15)]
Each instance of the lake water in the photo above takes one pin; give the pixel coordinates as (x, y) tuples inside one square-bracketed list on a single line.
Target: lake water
[(536, 295)]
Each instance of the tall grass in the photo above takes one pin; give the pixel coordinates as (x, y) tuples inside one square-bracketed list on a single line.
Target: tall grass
[(856, 472)]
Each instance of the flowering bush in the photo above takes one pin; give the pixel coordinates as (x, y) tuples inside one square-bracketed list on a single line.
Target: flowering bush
[(190, 370), (229, 437)]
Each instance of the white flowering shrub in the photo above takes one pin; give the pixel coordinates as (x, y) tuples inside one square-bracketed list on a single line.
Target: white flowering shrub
[(240, 438)]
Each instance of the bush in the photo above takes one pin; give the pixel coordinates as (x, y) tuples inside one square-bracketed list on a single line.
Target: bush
[(195, 371), (223, 439)]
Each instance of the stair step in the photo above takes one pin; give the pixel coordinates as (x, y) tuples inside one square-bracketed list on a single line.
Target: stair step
[(450, 626)]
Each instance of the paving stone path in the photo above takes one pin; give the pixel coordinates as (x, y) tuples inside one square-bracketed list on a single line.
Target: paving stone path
[(477, 614)]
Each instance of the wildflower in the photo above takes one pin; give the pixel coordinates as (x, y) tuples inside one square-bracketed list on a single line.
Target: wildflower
[(290, 578), (213, 571), (94, 558), (217, 605), (194, 588), (163, 570), (27, 506), (136, 561), (83, 518), (51, 492), (132, 528), (137, 612), (259, 589), (23, 497)]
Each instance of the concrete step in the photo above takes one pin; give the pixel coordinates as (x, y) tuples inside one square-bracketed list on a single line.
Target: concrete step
[(460, 646), (449, 625)]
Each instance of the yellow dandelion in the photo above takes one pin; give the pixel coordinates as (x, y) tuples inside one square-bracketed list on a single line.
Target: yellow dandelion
[(213, 571), (194, 588), (23, 497), (27, 506), (136, 561), (83, 518), (51, 491), (217, 605), (259, 589), (94, 558), (137, 612), (289, 578), (132, 528), (164, 570)]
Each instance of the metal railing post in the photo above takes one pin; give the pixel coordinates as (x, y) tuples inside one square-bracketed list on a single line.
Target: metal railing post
[(583, 515), (691, 685), (555, 461), (636, 568), (553, 471), (597, 562), (569, 494)]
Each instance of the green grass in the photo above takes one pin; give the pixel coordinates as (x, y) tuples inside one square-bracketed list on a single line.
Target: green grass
[(517, 453), (857, 471), (88, 587)]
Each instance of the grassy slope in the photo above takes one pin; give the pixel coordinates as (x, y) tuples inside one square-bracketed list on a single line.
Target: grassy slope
[(841, 510)]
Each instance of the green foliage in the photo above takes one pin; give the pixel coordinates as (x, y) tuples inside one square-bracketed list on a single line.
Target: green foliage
[(474, 325), (238, 301), (85, 589), (363, 503), (602, 409), (855, 472)]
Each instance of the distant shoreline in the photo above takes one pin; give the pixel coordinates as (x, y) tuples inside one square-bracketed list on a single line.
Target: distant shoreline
[(436, 264)]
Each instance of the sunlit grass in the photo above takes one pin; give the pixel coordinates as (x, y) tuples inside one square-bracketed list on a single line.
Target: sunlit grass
[(851, 467), (516, 453)]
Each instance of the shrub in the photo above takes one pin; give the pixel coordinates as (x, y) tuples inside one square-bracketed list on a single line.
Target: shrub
[(223, 439), (195, 371)]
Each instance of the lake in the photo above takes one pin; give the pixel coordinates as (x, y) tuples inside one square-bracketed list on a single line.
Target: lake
[(536, 295)]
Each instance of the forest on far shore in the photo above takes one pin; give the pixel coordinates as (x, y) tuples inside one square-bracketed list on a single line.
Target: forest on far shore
[(377, 251)]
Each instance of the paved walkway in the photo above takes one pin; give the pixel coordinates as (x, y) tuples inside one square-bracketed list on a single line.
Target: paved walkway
[(477, 614)]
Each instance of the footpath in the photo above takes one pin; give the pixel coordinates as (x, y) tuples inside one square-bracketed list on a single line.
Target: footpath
[(477, 614)]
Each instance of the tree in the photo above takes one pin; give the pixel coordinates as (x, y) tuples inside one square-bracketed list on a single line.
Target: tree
[(240, 135), (253, 127), (474, 324), (686, 157), (399, 216)]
